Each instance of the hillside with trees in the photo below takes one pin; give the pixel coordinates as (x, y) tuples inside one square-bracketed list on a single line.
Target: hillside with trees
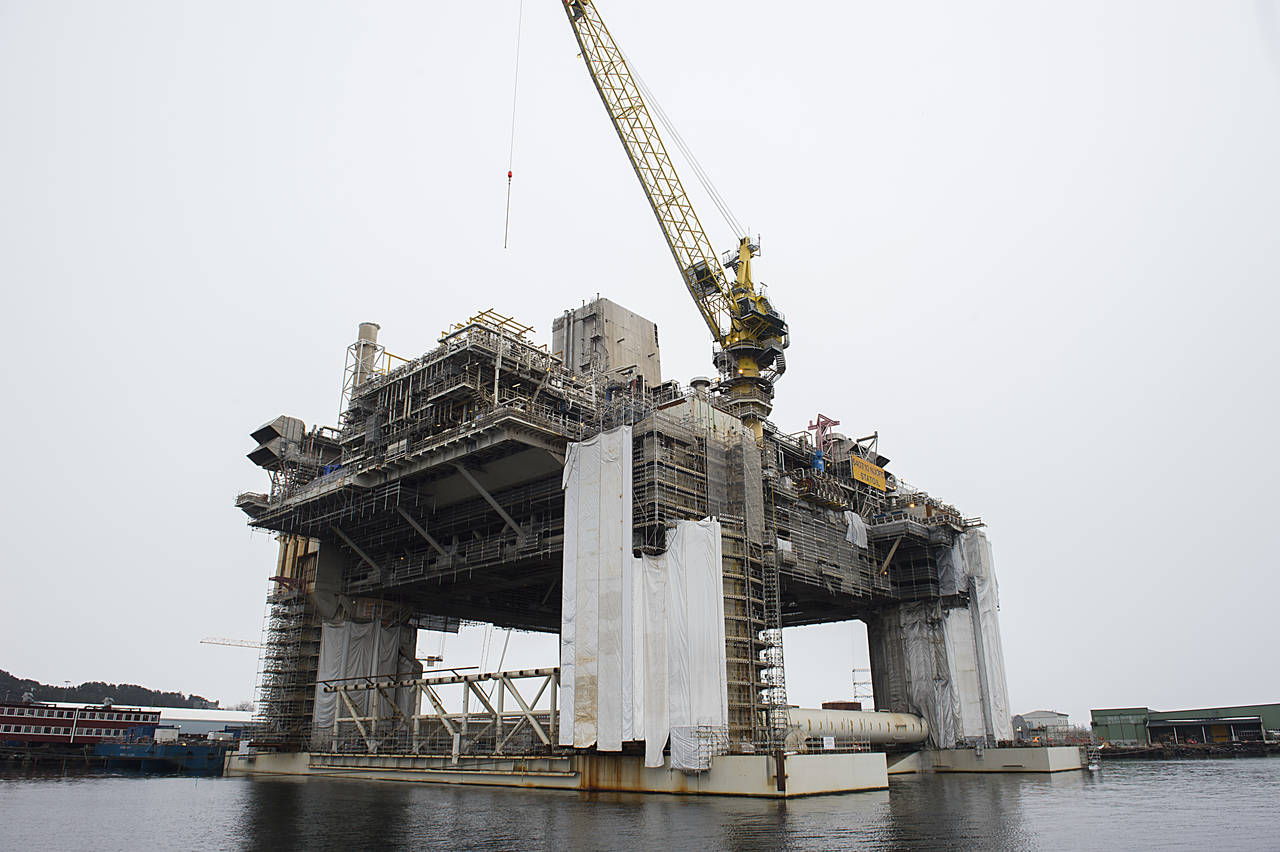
[(95, 692)]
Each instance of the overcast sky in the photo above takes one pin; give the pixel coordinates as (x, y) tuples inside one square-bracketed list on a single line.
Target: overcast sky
[(1034, 244)]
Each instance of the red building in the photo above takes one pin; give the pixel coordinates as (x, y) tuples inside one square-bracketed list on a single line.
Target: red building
[(31, 723)]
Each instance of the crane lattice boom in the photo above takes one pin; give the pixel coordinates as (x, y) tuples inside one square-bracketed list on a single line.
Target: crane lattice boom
[(750, 333), (235, 643)]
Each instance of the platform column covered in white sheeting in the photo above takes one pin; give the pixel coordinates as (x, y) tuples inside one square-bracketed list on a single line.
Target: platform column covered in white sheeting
[(947, 664), (642, 646)]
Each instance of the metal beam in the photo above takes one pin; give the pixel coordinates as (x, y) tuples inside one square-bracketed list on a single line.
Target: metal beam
[(466, 474), (484, 699), (396, 682), (526, 710), (394, 706), (422, 531), (884, 569), (351, 544), (440, 711), (355, 717), (515, 729), (528, 717)]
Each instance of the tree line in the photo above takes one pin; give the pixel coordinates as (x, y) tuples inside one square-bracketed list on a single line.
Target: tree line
[(95, 692)]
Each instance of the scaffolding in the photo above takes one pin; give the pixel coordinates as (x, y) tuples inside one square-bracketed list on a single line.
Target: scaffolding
[(287, 669)]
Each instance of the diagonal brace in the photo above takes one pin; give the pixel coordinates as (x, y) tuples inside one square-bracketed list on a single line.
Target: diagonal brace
[(884, 569), (527, 711), (422, 531), (439, 707), (394, 706), (466, 474), (355, 717), (484, 699), (351, 544)]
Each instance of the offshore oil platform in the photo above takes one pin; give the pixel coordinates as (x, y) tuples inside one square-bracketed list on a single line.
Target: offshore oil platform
[(667, 534)]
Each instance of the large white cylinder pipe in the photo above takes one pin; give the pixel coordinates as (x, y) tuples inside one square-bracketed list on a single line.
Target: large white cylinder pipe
[(862, 725)]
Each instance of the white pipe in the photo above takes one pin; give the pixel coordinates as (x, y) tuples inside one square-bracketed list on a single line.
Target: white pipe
[(865, 725)]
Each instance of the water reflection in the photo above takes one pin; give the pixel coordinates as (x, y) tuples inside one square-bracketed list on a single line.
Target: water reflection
[(1189, 805), (328, 814), (318, 814)]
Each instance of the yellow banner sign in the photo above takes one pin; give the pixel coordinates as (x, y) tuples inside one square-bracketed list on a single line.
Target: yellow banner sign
[(865, 471)]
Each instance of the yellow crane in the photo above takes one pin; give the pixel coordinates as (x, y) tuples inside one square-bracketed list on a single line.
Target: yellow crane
[(749, 333)]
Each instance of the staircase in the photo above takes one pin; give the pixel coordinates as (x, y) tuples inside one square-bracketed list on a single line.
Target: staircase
[(773, 683)]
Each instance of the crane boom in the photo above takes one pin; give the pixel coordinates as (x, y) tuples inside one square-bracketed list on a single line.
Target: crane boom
[(235, 643), (750, 333)]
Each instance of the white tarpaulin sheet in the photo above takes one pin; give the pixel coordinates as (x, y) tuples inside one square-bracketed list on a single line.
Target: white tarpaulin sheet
[(856, 534), (984, 606), (926, 660), (642, 653), (655, 704), (598, 566), (697, 686), (953, 659), (966, 681)]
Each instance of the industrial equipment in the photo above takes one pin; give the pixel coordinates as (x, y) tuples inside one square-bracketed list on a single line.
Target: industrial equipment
[(750, 334)]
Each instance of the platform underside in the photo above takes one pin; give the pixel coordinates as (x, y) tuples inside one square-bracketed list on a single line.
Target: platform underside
[(475, 563)]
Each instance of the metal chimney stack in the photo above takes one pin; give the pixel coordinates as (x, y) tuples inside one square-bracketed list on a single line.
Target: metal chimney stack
[(366, 350)]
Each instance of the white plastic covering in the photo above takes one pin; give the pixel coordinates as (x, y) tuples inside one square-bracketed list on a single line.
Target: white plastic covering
[(926, 670), (642, 653), (698, 689), (857, 532), (353, 649), (655, 705), (597, 561), (949, 664), (984, 607), (966, 681)]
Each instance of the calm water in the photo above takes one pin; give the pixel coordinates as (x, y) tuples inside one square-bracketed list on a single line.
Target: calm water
[(1220, 805)]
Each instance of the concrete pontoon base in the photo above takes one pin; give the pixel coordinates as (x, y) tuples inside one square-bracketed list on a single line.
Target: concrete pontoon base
[(1018, 759), (730, 775)]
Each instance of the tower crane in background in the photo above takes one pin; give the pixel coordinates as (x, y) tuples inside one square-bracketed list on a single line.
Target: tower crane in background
[(750, 335), (235, 643)]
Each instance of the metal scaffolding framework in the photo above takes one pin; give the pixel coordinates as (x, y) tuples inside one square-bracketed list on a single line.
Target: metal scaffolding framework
[(492, 716), (287, 669)]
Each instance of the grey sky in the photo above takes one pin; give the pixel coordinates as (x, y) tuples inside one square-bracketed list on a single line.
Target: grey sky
[(1033, 244)]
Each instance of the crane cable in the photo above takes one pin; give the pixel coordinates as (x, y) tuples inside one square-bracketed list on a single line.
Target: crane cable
[(501, 660), (673, 133), (511, 151), (484, 647)]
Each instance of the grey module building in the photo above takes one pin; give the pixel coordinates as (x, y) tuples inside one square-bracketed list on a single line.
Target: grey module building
[(605, 338)]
